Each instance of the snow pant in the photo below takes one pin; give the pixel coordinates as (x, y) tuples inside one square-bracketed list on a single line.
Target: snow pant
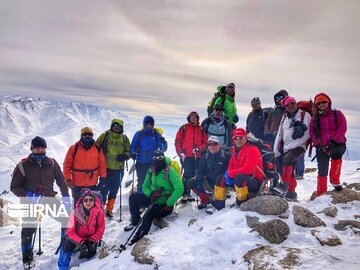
[(67, 250), (323, 167), (289, 161), (243, 185), (190, 165), (203, 187), (138, 200), (141, 170), (110, 185), (300, 166), (76, 192), (26, 243)]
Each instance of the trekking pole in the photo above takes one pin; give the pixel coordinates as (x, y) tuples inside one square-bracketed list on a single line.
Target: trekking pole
[(133, 178), (120, 206), (195, 167)]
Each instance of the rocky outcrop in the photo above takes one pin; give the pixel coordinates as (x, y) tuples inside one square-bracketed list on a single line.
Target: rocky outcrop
[(304, 217), (141, 253), (266, 205), (275, 231), (326, 237), (252, 222), (330, 211)]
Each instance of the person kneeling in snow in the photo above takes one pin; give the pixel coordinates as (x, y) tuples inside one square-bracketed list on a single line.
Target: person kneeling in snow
[(161, 189), (244, 171), (85, 228)]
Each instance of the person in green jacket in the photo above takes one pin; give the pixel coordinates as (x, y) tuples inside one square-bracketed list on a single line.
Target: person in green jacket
[(163, 186), (228, 102), (116, 148)]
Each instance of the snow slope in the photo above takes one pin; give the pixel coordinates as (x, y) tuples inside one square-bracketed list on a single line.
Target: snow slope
[(213, 242)]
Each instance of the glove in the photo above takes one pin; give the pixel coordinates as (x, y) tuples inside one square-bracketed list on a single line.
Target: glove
[(236, 118), (332, 144), (155, 194), (196, 150), (69, 183), (228, 180), (182, 156), (133, 156), (121, 157), (92, 246), (84, 251), (32, 197), (67, 202), (162, 140), (168, 208)]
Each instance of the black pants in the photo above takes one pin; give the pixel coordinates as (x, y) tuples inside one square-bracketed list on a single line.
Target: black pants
[(141, 170), (190, 165), (138, 200), (323, 158), (70, 246)]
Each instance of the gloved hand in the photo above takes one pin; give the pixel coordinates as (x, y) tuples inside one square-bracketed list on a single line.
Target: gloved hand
[(67, 202), (196, 150), (236, 118), (69, 183), (133, 156), (182, 156), (121, 157), (32, 197), (84, 251), (168, 208), (92, 246), (155, 194), (162, 140), (228, 180), (332, 144)]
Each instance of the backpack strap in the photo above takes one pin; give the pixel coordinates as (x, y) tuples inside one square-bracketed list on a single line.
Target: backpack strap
[(75, 150), (105, 141), (21, 168)]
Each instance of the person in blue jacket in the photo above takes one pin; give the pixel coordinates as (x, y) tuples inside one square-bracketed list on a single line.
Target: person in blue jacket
[(143, 145)]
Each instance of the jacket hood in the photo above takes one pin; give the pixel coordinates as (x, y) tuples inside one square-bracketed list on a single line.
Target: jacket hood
[(322, 96), (149, 118), (221, 89), (116, 120), (282, 92), (193, 113)]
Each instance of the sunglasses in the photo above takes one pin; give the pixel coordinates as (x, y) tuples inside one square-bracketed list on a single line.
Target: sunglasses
[(87, 135), (321, 102), (158, 158), (212, 144), (279, 97), (88, 200), (116, 125), (239, 138)]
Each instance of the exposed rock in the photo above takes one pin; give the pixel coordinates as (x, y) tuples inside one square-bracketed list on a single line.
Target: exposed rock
[(275, 231), (252, 222), (3, 203), (310, 170), (266, 205), (356, 186), (326, 237), (141, 253), (304, 217), (344, 196), (341, 226), (277, 257), (356, 216), (192, 221), (330, 211), (160, 223)]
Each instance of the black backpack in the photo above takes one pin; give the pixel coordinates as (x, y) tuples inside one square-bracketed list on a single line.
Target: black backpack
[(217, 94)]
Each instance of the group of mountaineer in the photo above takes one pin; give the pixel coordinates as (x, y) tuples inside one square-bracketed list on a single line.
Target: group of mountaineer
[(214, 155)]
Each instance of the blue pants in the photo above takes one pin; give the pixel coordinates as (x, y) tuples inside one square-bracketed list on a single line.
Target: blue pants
[(110, 185)]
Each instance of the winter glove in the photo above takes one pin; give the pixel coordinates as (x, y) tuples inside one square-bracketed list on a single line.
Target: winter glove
[(182, 156), (84, 251), (228, 180), (156, 194), (32, 197), (162, 140), (121, 157), (236, 118), (133, 156), (168, 209), (196, 150), (67, 202), (92, 246), (332, 144), (69, 183)]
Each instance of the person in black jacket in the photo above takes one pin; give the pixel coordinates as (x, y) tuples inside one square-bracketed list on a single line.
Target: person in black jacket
[(212, 166), (255, 121)]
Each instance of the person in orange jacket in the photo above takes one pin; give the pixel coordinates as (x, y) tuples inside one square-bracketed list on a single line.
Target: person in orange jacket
[(84, 163), (191, 140)]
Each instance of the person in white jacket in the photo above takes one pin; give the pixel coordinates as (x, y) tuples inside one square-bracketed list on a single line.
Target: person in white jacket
[(292, 139)]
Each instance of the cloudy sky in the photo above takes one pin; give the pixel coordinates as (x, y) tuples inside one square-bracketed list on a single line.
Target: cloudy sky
[(167, 57)]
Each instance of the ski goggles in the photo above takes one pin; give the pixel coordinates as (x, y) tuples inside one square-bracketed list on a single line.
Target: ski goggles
[(279, 97), (158, 158), (116, 125)]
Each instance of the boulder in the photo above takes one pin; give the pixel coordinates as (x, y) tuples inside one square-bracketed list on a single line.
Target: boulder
[(141, 251), (266, 205), (275, 231), (342, 224), (304, 217), (330, 211), (344, 196), (252, 222), (326, 237)]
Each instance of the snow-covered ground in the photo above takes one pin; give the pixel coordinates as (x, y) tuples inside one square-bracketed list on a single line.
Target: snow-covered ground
[(218, 241)]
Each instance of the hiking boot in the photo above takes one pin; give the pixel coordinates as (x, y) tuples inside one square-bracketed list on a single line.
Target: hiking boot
[(338, 187), (187, 198), (27, 257), (202, 205), (129, 227), (291, 196), (109, 214)]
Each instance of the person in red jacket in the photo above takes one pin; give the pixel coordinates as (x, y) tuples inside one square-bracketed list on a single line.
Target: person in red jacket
[(84, 163), (86, 227), (190, 141), (244, 171), (327, 132)]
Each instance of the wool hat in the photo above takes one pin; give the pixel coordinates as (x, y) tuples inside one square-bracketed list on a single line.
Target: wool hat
[(230, 86), (38, 142), (86, 130), (255, 100), (287, 100), (321, 97), (118, 121), (87, 192), (239, 132), (213, 139)]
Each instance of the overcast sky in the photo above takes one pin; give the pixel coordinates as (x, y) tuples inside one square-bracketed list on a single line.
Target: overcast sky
[(166, 58)]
